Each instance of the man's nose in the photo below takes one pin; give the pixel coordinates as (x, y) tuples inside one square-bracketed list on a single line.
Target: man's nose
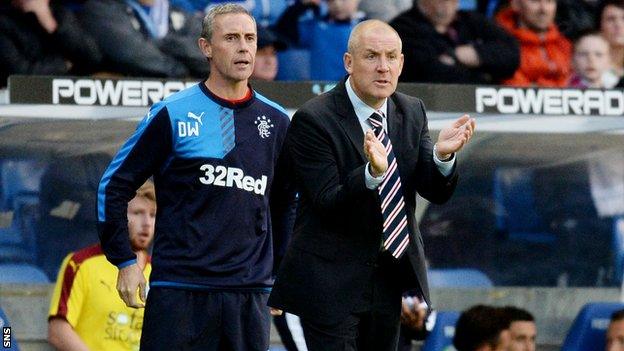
[(243, 45), (383, 65), (147, 221)]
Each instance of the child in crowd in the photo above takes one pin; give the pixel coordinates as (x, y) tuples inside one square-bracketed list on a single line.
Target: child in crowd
[(591, 62)]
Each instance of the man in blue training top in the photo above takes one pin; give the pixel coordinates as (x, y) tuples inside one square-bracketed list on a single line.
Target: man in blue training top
[(213, 150)]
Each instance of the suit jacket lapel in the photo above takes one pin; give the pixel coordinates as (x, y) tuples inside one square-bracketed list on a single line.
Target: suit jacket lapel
[(395, 123), (347, 118)]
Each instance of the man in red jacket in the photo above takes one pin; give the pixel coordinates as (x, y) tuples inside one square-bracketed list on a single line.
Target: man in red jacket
[(545, 54)]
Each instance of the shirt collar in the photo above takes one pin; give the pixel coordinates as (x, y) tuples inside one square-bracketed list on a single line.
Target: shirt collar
[(362, 110)]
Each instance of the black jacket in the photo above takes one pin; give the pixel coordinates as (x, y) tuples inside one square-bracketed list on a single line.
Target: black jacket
[(27, 48), (329, 266), (422, 45)]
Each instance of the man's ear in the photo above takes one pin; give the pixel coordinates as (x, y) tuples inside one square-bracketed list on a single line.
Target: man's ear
[(205, 47), (348, 62)]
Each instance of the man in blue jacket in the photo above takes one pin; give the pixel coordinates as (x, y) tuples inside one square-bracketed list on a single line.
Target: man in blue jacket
[(214, 152)]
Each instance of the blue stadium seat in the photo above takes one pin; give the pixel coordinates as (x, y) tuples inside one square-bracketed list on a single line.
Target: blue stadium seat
[(441, 336), (293, 64), (18, 239), (458, 278), (19, 178), (4, 322), (589, 327), (19, 209), (514, 203), (16, 273), (618, 248), (68, 207)]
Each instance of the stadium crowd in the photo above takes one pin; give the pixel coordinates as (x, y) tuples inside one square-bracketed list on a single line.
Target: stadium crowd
[(546, 43)]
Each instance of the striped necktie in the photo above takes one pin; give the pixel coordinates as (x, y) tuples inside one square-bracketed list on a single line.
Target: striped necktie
[(396, 235)]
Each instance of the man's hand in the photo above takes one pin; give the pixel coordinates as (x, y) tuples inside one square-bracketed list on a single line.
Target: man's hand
[(129, 279), (454, 137), (468, 56), (376, 154), (275, 311), (32, 5), (41, 8), (413, 315), (447, 60)]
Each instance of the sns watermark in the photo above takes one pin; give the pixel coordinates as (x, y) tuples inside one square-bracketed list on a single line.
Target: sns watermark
[(6, 337)]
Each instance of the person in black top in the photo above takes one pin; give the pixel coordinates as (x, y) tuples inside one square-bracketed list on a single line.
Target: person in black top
[(37, 37), (444, 45)]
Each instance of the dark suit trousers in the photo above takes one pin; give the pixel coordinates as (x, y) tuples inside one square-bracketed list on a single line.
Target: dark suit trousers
[(375, 325)]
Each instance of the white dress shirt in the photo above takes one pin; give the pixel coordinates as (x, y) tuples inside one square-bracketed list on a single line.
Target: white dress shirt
[(363, 112)]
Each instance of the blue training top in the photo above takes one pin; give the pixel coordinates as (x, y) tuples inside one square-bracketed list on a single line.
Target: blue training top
[(214, 162)]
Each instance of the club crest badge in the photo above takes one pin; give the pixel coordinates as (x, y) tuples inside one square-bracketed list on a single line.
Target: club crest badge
[(264, 126)]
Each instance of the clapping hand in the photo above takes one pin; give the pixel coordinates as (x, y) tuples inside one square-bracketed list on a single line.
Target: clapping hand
[(452, 138), (376, 154)]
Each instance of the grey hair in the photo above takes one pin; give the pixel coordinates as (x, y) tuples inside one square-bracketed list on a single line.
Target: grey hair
[(222, 9)]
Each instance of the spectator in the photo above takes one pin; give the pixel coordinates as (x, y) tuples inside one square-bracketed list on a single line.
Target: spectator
[(39, 38), (615, 332), (145, 37), (266, 13), (592, 63), (326, 36), (573, 16), (522, 329), (545, 54), (266, 65), (444, 45), (86, 311), (482, 328), (611, 25), (384, 10)]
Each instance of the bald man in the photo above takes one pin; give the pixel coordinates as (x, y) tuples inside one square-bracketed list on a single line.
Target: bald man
[(359, 154)]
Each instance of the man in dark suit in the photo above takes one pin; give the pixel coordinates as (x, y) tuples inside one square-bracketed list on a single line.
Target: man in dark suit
[(356, 245)]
